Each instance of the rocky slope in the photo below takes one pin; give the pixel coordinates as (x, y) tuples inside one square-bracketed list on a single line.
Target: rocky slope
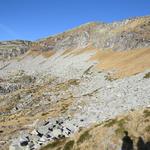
[(123, 35), (51, 88), (109, 134)]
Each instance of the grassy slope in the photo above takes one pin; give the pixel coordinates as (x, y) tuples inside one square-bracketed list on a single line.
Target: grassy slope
[(109, 134)]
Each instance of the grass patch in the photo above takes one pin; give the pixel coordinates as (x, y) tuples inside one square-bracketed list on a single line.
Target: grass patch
[(73, 82), (83, 137), (147, 129), (119, 123), (69, 145), (120, 131), (61, 86), (110, 123), (53, 145), (109, 78), (65, 105), (64, 109), (44, 113), (97, 125), (65, 85), (146, 113), (121, 128), (147, 75)]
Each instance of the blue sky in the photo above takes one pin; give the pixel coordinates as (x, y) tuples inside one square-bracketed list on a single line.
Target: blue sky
[(34, 19)]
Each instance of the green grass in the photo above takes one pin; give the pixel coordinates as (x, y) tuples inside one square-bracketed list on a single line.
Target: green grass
[(83, 137), (147, 75), (69, 145)]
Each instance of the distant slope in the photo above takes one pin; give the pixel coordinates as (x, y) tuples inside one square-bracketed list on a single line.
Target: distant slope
[(9, 49), (124, 63), (124, 35)]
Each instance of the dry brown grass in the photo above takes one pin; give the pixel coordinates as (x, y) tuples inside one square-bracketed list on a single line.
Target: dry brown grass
[(125, 63), (75, 52), (35, 53), (130, 26), (11, 125), (24, 119), (109, 134), (103, 137)]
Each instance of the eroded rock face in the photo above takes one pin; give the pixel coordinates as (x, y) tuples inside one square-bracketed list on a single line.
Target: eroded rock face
[(124, 35), (10, 49)]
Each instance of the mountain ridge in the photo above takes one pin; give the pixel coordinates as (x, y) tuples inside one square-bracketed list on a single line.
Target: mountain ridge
[(96, 34)]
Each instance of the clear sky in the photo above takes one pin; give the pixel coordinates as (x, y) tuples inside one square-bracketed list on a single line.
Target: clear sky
[(34, 19)]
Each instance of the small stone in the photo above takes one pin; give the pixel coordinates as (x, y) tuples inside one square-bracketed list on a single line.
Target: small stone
[(39, 134), (46, 123), (24, 143)]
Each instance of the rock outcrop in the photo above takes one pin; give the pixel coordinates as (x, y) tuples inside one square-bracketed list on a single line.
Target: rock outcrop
[(10, 49), (124, 35)]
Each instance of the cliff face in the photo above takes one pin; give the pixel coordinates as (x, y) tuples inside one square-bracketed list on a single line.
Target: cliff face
[(9, 49), (52, 88)]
